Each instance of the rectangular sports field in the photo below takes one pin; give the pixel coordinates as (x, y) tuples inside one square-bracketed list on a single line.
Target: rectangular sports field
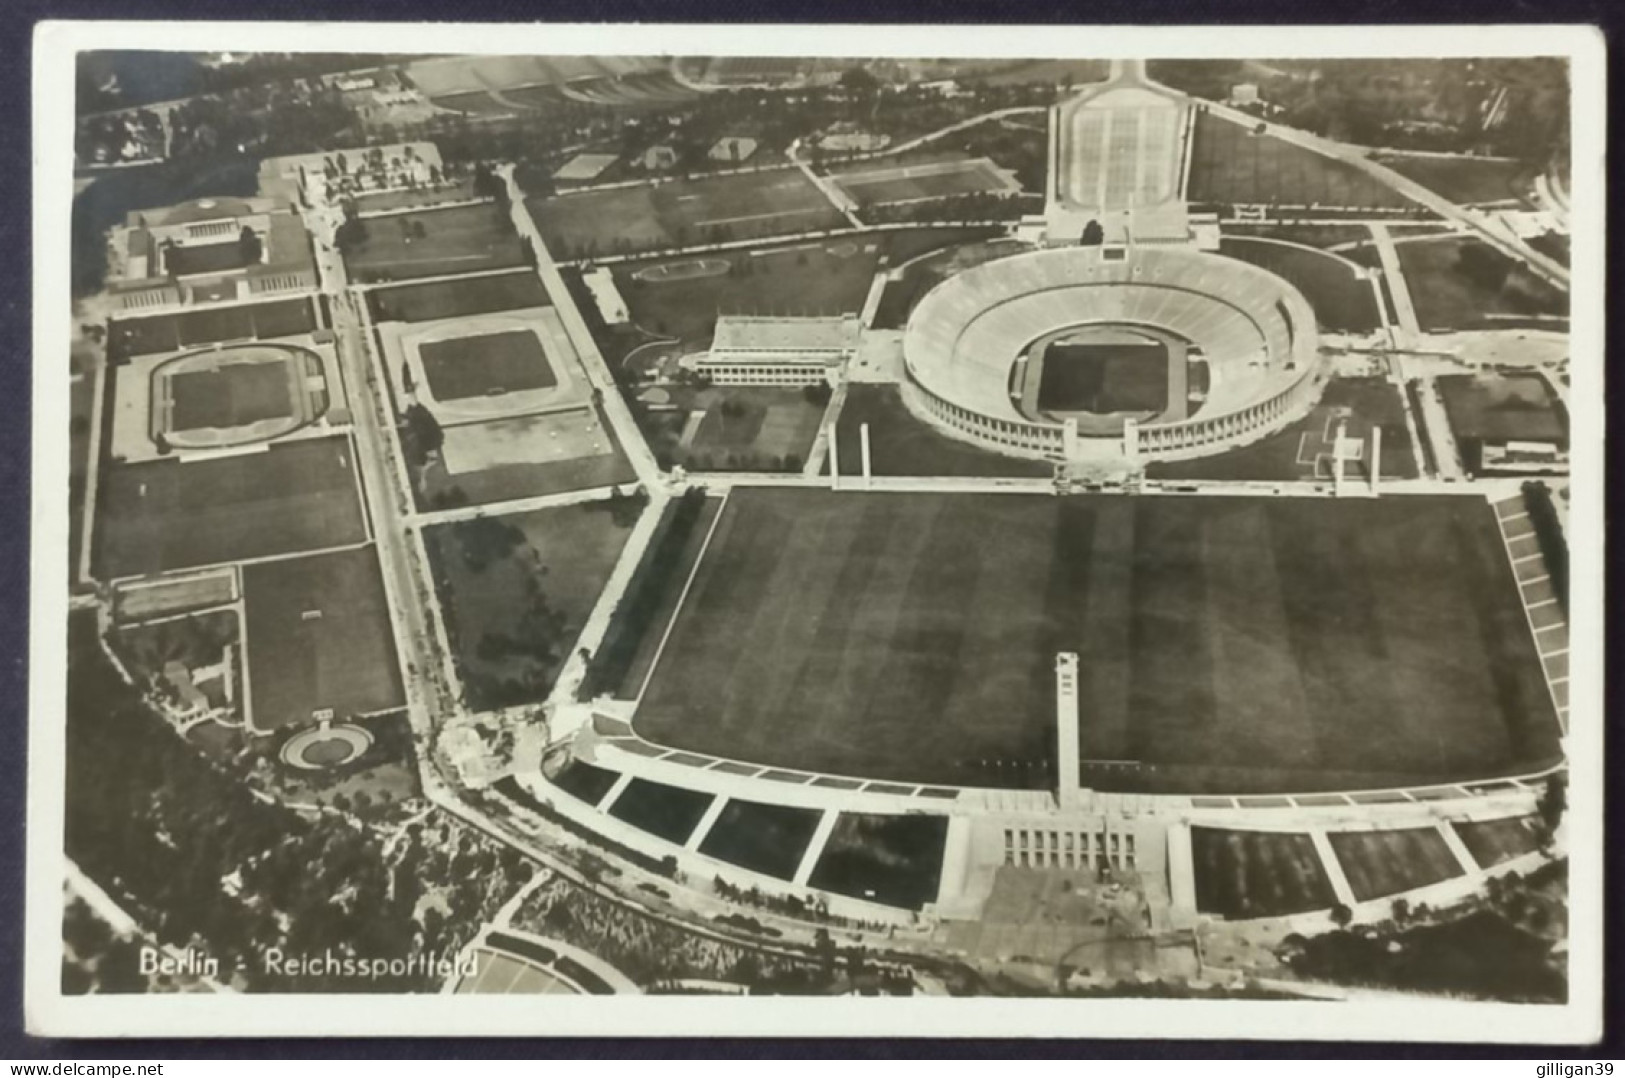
[(165, 514), (892, 183), (505, 362), (460, 239), (656, 216), (230, 396), (319, 637), (1104, 378), (185, 329), (1234, 644), (458, 297)]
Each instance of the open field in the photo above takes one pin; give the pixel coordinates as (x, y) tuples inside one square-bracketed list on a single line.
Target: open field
[(208, 325), (900, 444), (1104, 378), (462, 239), (319, 639), (516, 591), (1243, 874), (231, 395), (1465, 180), (1458, 283), (166, 514), (1493, 409), (1232, 644), (459, 297), (1382, 863), (1343, 301), (1232, 166), (764, 838), (1303, 450), (584, 781), (678, 213), (892, 859), (1492, 842), (883, 183), (414, 198), (739, 428), (506, 362), (823, 278), (433, 486)]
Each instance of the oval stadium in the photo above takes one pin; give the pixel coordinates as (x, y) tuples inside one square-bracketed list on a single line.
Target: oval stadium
[(1090, 352)]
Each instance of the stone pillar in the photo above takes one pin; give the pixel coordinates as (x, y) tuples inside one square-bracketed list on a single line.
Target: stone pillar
[(1069, 440), (863, 444), (834, 461), (1337, 456), (1067, 793), (1131, 440), (1376, 459)]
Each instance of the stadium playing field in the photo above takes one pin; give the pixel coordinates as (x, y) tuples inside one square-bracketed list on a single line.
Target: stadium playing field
[(505, 362), (460, 239), (165, 514), (319, 639), (1104, 378), (231, 395), (1234, 644)]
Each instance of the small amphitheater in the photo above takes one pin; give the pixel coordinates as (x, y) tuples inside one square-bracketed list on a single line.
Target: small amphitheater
[(1232, 349)]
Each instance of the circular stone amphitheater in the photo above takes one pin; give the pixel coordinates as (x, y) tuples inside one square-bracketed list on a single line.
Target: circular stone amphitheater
[(1144, 353)]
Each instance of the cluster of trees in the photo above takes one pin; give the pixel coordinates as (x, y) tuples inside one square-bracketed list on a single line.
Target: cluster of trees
[(201, 861), (421, 435)]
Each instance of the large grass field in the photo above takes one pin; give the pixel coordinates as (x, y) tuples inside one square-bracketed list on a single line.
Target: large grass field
[(743, 428), (433, 487), (456, 298), (509, 361), (319, 637), (886, 182), (1104, 378), (516, 591), (1302, 451), (1465, 180), (161, 515), (1230, 165), (1382, 863), (461, 239), (678, 213), (1228, 644), (1458, 283), (1344, 302), (1492, 409)]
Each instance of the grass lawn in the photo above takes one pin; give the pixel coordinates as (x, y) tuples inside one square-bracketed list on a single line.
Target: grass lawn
[(164, 514), (435, 488), (877, 184), (764, 838), (319, 637), (1492, 842), (462, 239), (741, 428), (1104, 378), (1458, 283), (670, 812), (457, 298), (682, 212), (1343, 301), (900, 444), (892, 859), (1497, 408), (516, 591), (1302, 451), (1244, 874), (824, 278), (506, 362), (231, 395), (414, 198), (1231, 644), (1465, 180), (1382, 863), (1230, 165)]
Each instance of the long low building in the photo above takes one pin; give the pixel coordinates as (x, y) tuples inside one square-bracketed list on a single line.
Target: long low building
[(766, 351)]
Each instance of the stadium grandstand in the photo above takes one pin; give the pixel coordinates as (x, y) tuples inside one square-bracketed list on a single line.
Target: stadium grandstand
[(970, 341)]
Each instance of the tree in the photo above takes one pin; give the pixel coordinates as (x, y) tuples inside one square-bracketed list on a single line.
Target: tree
[(1093, 234), (1342, 915), (1401, 910), (248, 243), (1554, 801)]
